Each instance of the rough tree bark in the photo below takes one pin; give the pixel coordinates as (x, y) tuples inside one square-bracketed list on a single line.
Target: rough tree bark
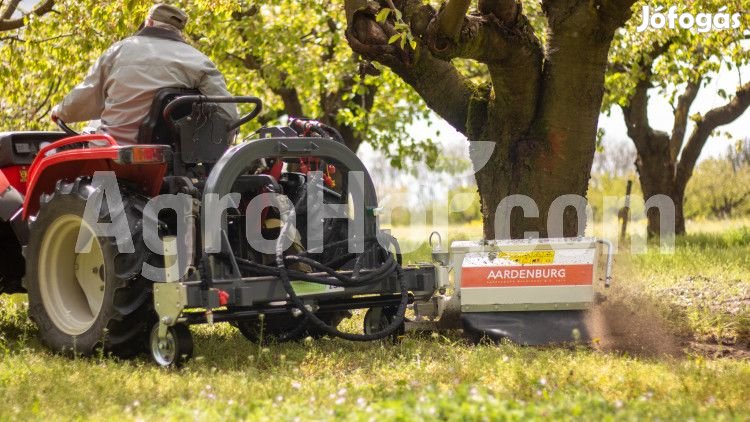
[(666, 161), (540, 108)]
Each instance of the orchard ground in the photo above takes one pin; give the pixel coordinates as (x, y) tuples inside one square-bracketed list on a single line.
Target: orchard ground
[(671, 342)]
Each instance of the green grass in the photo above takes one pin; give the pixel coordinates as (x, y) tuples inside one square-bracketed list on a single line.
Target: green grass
[(422, 377), (704, 284)]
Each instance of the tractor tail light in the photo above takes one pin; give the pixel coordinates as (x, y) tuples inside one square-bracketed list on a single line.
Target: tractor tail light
[(143, 154)]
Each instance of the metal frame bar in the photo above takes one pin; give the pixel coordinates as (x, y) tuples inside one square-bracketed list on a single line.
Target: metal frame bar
[(237, 159)]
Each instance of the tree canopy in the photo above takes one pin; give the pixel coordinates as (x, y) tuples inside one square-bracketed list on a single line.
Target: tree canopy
[(532, 87), (292, 54), (531, 77)]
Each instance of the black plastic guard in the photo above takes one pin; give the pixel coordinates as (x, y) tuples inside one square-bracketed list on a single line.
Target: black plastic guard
[(531, 328)]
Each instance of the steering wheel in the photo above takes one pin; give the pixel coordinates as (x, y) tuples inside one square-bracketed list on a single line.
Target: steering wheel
[(65, 128)]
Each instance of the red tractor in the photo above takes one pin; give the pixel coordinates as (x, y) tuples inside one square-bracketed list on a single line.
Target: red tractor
[(121, 248), (91, 289)]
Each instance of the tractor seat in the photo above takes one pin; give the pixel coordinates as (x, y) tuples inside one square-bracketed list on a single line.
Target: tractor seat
[(154, 129), (200, 134)]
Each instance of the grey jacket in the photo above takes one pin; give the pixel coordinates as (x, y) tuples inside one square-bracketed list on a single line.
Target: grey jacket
[(121, 85)]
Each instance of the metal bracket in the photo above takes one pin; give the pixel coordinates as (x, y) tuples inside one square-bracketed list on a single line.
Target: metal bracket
[(170, 299)]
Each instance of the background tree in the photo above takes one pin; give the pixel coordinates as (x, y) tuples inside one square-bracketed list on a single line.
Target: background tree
[(290, 53), (616, 160), (739, 155), (676, 63), (719, 189), (536, 97)]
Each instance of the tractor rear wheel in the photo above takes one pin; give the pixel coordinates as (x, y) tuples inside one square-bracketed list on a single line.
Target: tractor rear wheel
[(95, 297)]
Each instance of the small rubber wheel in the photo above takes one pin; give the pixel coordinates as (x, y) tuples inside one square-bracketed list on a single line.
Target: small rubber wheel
[(378, 318), (175, 350)]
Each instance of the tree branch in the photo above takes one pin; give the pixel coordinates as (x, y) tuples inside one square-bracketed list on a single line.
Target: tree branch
[(497, 32), (289, 95), (486, 39), (713, 119), (507, 11), (681, 115), (437, 81), (52, 88), (636, 117), (614, 13), (12, 6), (332, 102), (636, 112), (7, 24), (450, 19)]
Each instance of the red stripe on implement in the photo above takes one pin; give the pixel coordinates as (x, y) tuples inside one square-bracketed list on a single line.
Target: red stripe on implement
[(528, 275)]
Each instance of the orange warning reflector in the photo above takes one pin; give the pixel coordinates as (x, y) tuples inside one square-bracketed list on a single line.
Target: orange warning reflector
[(527, 275), (142, 154)]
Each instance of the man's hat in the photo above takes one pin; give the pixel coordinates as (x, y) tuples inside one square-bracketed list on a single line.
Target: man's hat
[(168, 14)]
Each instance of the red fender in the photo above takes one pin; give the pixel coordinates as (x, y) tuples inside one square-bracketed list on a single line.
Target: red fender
[(145, 165)]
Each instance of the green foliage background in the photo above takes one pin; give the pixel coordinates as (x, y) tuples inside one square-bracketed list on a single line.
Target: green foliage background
[(41, 62), (691, 54)]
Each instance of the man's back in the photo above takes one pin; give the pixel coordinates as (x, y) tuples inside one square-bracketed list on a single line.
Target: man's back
[(120, 87)]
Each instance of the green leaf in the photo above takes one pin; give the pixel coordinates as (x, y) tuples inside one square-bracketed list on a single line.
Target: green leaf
[(383, 14), (394, 38)]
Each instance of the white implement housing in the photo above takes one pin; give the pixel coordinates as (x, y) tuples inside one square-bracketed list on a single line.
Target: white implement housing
[(532, 291)]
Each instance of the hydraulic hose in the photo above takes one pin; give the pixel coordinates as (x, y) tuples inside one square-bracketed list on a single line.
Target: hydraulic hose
[(391, 328), (339, 280), (389, 266)]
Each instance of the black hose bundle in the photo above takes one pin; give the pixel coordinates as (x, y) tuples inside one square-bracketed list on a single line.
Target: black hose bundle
[(334, 278), (306, 126)]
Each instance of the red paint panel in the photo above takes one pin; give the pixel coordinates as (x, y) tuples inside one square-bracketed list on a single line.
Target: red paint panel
[(14, 176), (528, 275)]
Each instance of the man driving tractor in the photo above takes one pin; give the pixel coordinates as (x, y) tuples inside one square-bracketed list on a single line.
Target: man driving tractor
[(120, 87)]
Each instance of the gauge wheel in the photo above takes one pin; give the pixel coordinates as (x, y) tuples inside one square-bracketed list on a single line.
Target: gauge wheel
[(174, 350), (378, 318)]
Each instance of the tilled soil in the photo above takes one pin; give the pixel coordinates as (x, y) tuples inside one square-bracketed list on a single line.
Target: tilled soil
[(635, 326)]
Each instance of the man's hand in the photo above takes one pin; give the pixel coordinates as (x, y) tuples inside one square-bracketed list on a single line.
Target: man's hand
[(55, 113)]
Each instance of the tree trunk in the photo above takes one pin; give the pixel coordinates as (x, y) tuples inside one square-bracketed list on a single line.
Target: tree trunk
[(532, 126), (552, 157), (657, 174)]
